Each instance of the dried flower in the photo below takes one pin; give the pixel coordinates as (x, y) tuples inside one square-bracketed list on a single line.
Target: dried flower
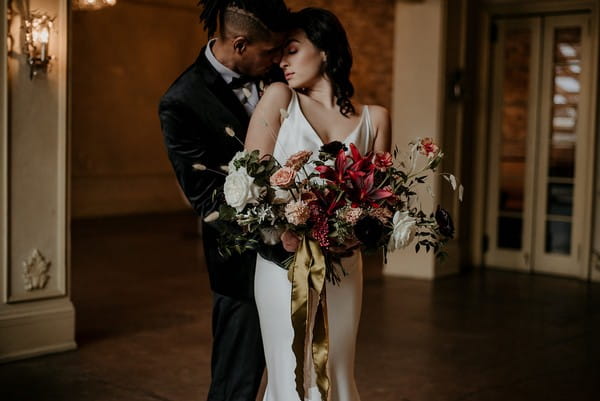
[(299, 159), (284, 114), (214, 216), (229, 131)]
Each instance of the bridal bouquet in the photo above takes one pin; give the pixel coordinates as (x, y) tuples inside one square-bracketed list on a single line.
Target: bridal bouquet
[(338, 199), (334, 200)]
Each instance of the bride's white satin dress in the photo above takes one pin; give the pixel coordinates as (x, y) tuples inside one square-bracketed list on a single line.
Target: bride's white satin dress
[(273, 289)]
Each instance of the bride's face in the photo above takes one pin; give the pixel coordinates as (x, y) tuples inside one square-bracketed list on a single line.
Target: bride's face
[(302, 62)]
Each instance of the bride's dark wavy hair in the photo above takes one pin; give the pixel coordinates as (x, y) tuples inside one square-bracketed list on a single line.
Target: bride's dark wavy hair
[(326, 32)]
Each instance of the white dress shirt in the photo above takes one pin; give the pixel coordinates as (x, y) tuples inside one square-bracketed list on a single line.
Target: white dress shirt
[(248, 94)]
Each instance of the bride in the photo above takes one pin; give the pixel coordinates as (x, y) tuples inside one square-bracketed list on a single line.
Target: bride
[(316, 62)]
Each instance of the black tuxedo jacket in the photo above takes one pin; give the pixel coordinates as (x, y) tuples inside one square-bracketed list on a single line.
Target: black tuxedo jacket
[(194, 113)]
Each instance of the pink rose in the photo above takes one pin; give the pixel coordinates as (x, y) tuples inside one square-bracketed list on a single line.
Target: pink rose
[(299, 159), (428, 148), (383, 160), (284, 177)]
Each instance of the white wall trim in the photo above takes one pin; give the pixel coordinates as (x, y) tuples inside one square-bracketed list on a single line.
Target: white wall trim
[(417, 101), (31, 330)]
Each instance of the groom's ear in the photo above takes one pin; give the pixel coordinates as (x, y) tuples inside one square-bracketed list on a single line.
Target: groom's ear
[(240, 44)]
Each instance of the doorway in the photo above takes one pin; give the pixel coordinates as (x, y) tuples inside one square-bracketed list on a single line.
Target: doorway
[(540, 136)]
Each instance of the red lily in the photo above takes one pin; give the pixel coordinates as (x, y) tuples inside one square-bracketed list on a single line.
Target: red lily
[(361, 163), (328, 201), (364, 190), (337, 174)]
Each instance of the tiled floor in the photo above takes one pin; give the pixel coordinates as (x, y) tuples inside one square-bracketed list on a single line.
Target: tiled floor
[(143, 316)]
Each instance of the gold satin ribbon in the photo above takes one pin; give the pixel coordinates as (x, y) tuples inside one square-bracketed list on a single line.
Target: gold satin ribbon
[(308, 271)]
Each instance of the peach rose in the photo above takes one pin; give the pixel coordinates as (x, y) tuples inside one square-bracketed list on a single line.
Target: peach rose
[(284, 177)]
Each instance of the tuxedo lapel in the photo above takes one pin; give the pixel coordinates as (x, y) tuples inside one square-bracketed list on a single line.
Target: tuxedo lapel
[(220, 90)]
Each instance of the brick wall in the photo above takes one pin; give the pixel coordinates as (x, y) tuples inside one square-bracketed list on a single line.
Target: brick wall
[(120, 70)]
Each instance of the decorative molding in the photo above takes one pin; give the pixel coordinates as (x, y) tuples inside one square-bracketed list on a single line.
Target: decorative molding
[(34, 329), (36, 270)]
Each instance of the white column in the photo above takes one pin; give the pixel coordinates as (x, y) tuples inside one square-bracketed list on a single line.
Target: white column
[(36, 314), (419, 101)]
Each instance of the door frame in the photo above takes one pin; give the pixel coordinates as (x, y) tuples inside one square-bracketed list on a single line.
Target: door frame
[(482, 99), (495, 256)]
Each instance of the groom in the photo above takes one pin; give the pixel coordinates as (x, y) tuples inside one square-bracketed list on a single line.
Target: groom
[(219, 91)]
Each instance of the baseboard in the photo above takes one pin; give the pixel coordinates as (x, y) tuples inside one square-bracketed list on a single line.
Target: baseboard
[(36, 330), (51, 349)]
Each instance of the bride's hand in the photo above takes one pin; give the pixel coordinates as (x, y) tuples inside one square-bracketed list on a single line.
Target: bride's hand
[(290, 241)]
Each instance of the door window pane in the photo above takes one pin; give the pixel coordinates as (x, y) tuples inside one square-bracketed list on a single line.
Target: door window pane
[(560, 199), (510, 232), (515, 96), (567, 87), (558, 237)]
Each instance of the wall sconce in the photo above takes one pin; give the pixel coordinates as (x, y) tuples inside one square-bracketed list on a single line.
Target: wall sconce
[(92, 4), (37, 38)]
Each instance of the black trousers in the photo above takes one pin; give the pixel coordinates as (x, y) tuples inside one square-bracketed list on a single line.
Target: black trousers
[(238, 359)]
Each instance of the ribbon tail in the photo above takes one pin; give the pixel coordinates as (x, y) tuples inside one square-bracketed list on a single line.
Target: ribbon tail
[(320, 347), (299, 277), (320, 342)]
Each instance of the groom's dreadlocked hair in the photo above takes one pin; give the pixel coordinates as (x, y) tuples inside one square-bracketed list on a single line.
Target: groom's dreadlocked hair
[(256, 19)]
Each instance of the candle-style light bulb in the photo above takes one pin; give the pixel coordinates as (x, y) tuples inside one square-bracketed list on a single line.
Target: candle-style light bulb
[(44, 37)]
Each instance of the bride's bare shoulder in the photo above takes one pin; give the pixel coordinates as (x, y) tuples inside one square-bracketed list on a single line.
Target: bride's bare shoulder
[(277, 95), (379, 114)]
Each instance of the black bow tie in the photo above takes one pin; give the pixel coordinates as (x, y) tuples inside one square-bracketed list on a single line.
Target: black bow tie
[(239, 82)]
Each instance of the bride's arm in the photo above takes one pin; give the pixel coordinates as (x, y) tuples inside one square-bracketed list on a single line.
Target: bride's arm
[(266, 119), (383, 128)]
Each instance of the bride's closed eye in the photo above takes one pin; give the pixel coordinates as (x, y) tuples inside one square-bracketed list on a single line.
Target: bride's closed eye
[(292, 50)]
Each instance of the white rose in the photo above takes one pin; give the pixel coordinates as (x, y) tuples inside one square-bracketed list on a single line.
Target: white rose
[(404, 231), (271, 235), (240, 189), (238, 155)]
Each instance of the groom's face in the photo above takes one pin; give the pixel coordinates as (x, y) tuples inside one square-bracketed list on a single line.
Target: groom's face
[(259, 57)]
